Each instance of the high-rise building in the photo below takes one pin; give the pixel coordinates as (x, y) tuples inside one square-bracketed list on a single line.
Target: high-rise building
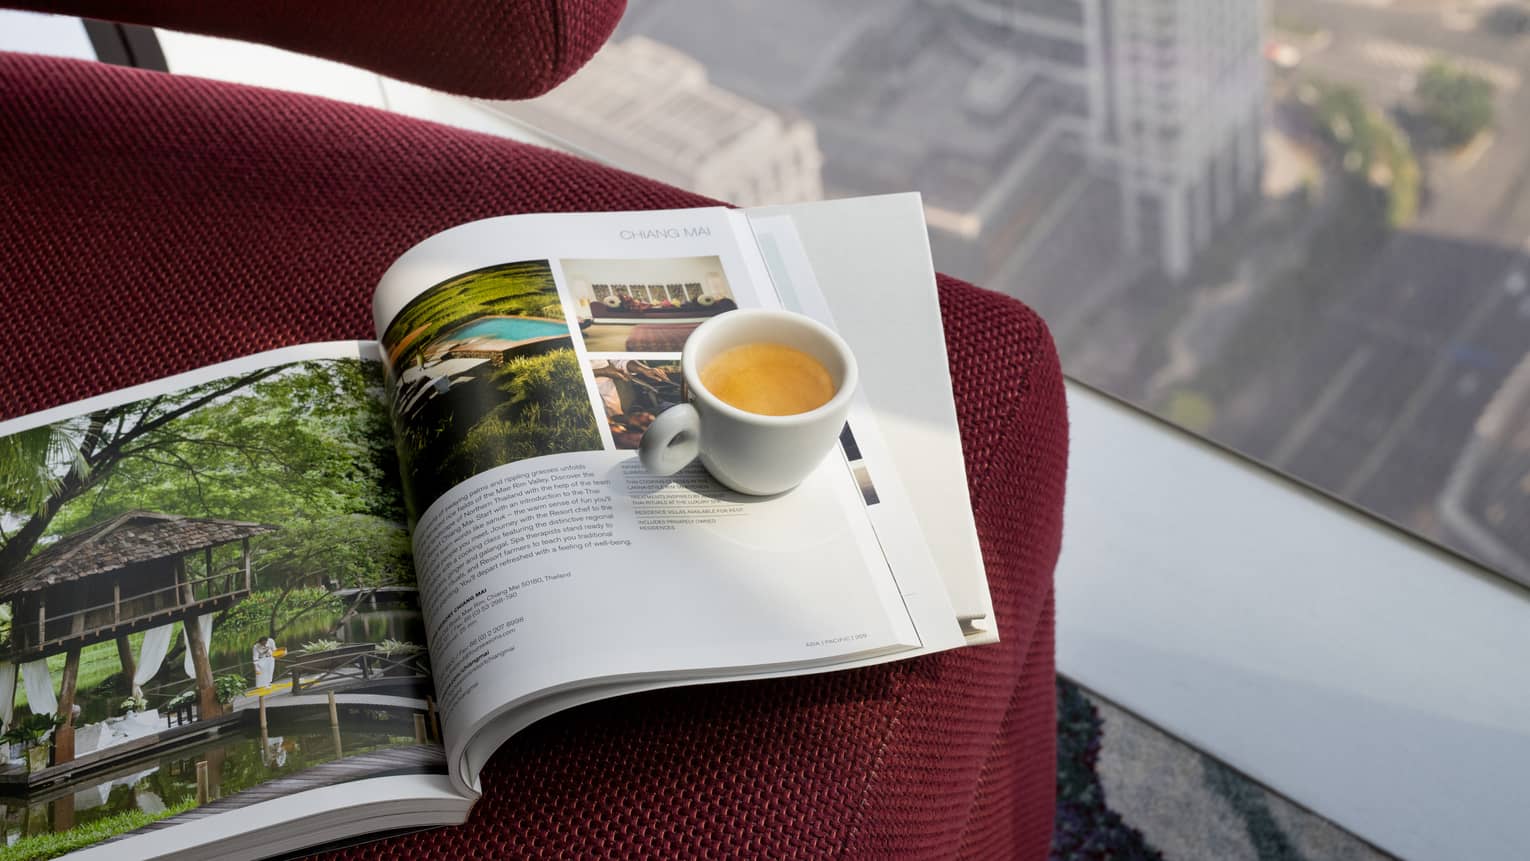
[(1163, 98), (1176, 109), (650, 108), (1172, 93), (1045, 135), (988, 121), (983, 113)]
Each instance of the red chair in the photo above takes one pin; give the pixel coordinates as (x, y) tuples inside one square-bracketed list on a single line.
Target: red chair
[(155, 223)]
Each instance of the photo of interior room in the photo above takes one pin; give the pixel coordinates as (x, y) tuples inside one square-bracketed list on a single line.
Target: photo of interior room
[(646, 306)]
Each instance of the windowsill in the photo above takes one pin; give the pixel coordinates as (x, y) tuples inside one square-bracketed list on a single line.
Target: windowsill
[(41, 33), (1365, 674)]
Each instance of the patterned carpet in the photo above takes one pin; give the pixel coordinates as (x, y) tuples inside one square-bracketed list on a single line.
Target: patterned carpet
[(1127, 790)]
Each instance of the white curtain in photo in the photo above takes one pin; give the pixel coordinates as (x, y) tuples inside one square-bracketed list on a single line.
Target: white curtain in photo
[(204, 623), (7, 694), (39, 684), (151, 655)]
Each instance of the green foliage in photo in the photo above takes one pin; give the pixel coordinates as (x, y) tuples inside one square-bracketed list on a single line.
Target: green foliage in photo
[(34, 464), (532, 406), (319, 647), (41, 846), (347, 551), (523, 289), (306, 447), (306, 440), (228, 688), (397, 648), (546, 411), (313, 440), (31, 729), (250, 619)]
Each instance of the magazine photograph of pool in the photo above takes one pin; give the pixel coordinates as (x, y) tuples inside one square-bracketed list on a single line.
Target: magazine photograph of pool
[(483, 373), (207, 600)]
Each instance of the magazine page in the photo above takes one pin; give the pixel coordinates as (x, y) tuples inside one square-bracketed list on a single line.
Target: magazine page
[(527, 354), (868, 260), (207, 601)]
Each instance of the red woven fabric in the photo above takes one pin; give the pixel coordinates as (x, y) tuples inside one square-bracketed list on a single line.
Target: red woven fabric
[(492, 49), (154, 224)]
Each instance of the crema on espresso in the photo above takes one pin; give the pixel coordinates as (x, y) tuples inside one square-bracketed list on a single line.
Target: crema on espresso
[(768, 379)]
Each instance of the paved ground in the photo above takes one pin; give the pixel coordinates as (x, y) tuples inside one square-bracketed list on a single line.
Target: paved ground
[(1381, 48), (1385, 395), (1378, 401)]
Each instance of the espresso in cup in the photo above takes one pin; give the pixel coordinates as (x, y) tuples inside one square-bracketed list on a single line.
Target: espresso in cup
[(768, 379), (767, 394)]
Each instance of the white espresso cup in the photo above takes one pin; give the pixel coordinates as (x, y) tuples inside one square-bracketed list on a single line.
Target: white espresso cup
[(749, 452)]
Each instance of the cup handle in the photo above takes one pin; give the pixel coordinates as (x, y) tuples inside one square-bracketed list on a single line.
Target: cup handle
[(672, 441)]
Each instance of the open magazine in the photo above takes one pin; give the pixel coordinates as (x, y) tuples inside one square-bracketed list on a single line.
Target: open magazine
[(303, 597)]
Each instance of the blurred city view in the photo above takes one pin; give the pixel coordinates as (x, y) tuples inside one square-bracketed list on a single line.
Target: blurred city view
[(1300, 228)]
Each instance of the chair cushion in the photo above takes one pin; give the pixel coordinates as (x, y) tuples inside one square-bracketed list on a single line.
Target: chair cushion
[(153, 224), (492, 49)]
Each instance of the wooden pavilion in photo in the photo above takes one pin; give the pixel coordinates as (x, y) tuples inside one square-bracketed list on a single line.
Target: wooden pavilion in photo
[(137, 571)]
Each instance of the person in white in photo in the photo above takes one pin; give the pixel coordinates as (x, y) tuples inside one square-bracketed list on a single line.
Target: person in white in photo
[(264, 655)]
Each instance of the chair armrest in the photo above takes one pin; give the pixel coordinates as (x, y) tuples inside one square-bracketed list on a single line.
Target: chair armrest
[(494, 49), (146, 234)]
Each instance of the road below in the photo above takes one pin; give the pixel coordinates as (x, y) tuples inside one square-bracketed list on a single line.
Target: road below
[(1376, 398)]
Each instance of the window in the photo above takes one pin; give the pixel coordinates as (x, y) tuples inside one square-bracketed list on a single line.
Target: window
[(1264, 309)]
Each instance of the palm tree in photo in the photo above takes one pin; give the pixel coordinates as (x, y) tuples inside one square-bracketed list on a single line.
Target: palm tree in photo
[(34, 463)]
